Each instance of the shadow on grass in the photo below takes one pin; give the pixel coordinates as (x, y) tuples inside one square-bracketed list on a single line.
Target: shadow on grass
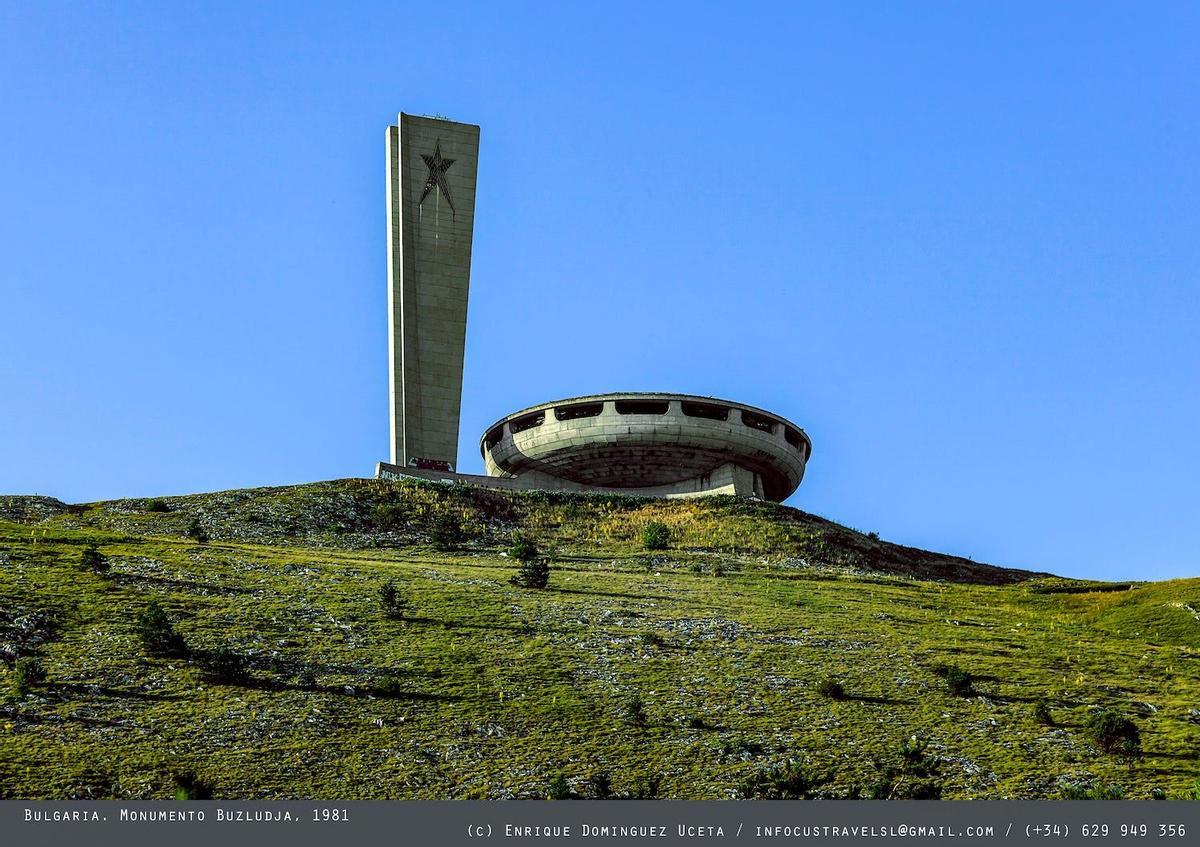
[(553, 589), (59, 720), (453, 624), (84, 688), (1007, 698), (365, 692), (883, 701)]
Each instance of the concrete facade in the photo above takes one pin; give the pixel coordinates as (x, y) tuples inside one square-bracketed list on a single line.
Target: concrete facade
[(729, 479), (637, 444), (431, 173), (650, 444)]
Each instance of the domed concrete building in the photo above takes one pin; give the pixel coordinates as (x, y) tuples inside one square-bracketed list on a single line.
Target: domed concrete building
[(653, 445), (659, 445)]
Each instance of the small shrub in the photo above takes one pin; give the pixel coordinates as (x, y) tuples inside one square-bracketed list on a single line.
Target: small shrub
[(696, 568), (718, 570), (914, 776), (656, 536), (599, 786), (654, 640), (740, 750), (635, 711), (1129, 751), (832, 688), (393, 602), (228, 666), (1112, 732), (647, 789), (158, 633), (792, 780), (874, 536), (307, 679), (524, 549), (197, 532), (1194, 792), (447, 532), (1083, 791), (1042, 714), (958, 681), (697, 722), (93, 560), (1157, 794), (157, 505), (532, 573), (391, 687), (28, 673), (189, 787), (559, 789)]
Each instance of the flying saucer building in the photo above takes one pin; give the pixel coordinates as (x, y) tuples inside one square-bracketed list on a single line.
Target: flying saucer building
[(645, 444)]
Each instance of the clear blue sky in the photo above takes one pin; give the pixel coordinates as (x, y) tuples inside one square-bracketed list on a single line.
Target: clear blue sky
[(958, 242)]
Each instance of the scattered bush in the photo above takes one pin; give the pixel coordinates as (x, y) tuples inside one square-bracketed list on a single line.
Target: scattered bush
[(447, 532), (647, 789), (832, 688), (559, 789), (697, 722), (28, 673), (158, 633), (792, 780), (393, 602), (599, 786), (635, 711), (1157, 794), (739, 750), (1129, 751), (697, 568), (197, 532), (653, 639), (93, 560), (1112, 732), (524, 549), (228, 666), (1194, 793), (189, 787), (157, 505), (1083, 791), (391, 687), (958, 681), (1042, 714), (532, 573), (656, 536), (307, 679), (874, 536), (718, 570), (914, 776)]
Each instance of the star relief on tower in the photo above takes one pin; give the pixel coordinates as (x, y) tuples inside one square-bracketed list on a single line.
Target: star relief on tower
[(436, 178)]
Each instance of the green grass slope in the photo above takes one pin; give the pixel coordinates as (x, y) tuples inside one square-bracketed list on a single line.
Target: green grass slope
[(485, 689)]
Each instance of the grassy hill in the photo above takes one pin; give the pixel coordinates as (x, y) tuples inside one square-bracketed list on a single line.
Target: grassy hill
[(698, 671)]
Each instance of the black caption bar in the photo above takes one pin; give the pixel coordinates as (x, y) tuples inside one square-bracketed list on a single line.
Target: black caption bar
[(612, 823)]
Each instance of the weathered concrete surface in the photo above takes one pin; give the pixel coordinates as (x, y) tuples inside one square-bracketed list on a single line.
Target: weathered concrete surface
[(728, 479), (670, 444), (431, 171)]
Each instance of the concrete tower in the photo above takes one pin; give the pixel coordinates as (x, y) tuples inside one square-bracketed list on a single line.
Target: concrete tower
[(431, 165)]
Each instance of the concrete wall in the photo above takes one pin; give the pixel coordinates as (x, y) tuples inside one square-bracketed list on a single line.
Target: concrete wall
[(671, 450), (727, 479), (429, 269)]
